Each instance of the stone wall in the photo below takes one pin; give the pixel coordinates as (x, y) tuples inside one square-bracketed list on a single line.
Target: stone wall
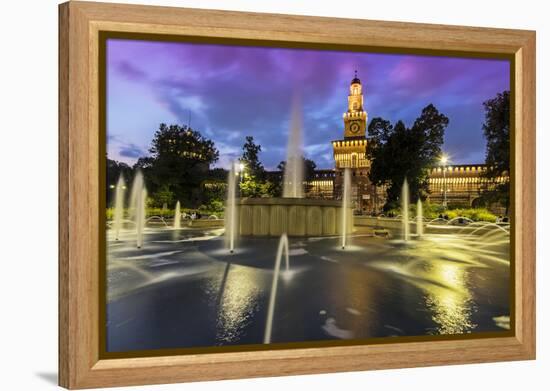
[(293, 216)]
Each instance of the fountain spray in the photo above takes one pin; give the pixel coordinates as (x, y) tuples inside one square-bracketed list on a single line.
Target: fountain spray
[(119, 206), (345, 206), (283, 248), (419, 219), (230, 208), (177, 216), (405, 210), (293, 179), (137, 202)]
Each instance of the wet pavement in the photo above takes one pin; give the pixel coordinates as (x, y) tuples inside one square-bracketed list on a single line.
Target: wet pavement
[(184, 289)]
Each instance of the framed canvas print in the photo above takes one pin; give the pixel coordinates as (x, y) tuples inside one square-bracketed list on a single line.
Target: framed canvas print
[(251, 195)]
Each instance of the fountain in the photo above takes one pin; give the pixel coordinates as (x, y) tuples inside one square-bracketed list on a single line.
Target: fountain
[(405, 210), (419, 219), (231, 209), (119, 206), (177, 216), (283, 247), (293, 185), (292, 214), (138, 204), (345, 202)]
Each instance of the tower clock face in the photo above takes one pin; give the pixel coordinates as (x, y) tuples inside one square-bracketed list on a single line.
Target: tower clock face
[(354, 127)]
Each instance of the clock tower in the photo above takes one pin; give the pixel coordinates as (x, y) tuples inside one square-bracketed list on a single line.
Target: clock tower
[(355, 119), (351, 153)]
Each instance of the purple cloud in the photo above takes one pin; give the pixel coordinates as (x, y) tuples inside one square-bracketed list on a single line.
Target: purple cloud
[(229, 92)]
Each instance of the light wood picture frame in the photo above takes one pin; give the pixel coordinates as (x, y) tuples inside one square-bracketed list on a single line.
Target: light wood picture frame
[(81, 364)]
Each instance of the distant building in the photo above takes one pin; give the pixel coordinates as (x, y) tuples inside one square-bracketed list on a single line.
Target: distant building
[(455, 185), (459, 185), (322, 184)]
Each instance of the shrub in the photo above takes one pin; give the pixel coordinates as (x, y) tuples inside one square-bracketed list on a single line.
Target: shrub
[(433, 211)]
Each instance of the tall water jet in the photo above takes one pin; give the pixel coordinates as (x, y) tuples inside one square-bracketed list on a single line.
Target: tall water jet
[(405, 210), (119, 206), (419, 219), (137, 202), (177, 216), (231, 208), (283, 248), (345, 205), (141, 217), (293, 185)]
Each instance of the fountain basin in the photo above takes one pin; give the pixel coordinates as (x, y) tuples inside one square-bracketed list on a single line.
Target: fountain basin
[(293, 216)]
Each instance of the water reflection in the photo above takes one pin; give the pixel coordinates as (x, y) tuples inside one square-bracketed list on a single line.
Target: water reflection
[(449, 283), (238, 303), (441, 265), (451, 304)]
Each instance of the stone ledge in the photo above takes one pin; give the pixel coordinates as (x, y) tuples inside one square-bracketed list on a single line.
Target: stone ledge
[(293, 216)]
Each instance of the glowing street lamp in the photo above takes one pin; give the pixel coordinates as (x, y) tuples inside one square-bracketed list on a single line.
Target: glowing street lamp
[(239, 170)]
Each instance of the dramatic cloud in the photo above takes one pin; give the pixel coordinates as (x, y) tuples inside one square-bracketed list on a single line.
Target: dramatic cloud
[(229, 92), (131, 151)]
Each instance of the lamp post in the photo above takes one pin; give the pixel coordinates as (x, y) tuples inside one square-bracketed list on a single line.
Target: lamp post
[(443, 160), (239, 170)]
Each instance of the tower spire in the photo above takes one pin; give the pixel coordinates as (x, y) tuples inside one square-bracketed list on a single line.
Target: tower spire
[(355, 79)]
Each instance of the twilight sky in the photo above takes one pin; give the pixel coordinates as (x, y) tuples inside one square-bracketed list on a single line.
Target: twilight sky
[(234, 91)]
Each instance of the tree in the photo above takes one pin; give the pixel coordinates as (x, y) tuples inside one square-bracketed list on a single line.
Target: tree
[(254, 182), (179, 162), (250, 158), (162, 196), (496, 130), (215, 187), (397, 152)]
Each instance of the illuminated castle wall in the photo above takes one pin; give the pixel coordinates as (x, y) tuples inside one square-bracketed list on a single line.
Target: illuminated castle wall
[(463, 184)]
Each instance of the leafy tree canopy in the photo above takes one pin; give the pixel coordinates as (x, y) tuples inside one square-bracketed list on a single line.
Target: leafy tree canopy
[(496, 130), (397, 152), (250, 158), (179, 161)]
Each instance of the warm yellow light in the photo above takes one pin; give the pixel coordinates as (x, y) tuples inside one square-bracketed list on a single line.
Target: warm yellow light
[(444, 159)]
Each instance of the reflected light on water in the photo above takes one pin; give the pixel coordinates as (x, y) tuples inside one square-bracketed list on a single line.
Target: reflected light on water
[(440, 266), (238, 304), (450, 304)]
